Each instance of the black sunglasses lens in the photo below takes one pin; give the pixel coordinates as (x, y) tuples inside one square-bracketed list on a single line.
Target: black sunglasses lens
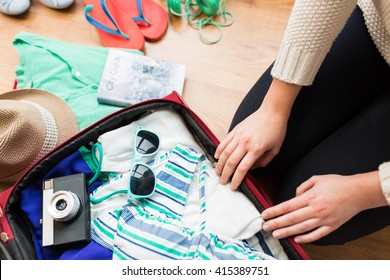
[(142, 180), (147, 142)]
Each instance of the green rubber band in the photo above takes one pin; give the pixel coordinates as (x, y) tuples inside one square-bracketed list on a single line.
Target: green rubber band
[(209, 7), (226, 24), (174, 7), (204, 38), (187, 7), (212, 8)]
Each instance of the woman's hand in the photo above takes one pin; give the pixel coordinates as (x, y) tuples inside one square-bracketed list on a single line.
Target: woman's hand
[(252, 143), (257, 139), (322, 204)]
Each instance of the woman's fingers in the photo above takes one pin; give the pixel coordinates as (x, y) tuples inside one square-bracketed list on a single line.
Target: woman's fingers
[(307, 185), (298, 215), (266, 158), (295, 229), (227, 148), (243, 167), (300, 223), (252, 143), (236, 158), (284, 208), (314, 235), (231, 160), (305, 232), (221, 147)]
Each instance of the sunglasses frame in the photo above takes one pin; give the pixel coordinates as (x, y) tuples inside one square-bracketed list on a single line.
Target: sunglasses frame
[(137, 161)]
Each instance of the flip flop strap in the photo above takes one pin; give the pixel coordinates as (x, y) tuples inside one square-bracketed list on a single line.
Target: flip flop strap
[(100, 25), (141, 14)]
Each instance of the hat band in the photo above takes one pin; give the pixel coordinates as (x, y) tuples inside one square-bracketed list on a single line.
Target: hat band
[(51, 137)]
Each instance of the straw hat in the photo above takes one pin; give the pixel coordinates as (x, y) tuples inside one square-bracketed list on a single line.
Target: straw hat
[(32, 123)]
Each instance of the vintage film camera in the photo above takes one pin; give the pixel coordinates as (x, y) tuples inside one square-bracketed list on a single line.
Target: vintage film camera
[(66, 211)]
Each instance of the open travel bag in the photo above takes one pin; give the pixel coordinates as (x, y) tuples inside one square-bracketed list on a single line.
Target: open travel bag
[(109, 225)]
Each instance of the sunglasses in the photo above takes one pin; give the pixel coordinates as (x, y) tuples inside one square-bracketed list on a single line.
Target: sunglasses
[(142, 178)]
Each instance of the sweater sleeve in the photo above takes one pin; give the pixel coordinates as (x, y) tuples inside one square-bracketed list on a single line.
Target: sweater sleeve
[(310, 32), (384, 176)]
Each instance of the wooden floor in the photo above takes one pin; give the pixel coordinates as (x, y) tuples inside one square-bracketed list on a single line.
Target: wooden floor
[(218, 76)]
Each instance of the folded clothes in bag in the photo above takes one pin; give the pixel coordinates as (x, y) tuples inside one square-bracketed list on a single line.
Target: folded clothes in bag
[(151, 228), (236, 208), (22, 204)]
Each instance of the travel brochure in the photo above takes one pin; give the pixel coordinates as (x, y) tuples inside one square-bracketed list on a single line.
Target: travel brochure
[(130, 78)]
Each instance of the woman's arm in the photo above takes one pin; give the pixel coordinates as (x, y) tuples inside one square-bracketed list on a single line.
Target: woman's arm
[(311, 30)]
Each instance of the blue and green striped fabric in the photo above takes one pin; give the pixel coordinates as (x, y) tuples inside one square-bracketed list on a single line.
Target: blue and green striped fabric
[(151, 228)]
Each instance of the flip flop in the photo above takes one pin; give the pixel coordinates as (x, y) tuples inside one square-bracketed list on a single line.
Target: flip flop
[(150, 16), (115, 28)]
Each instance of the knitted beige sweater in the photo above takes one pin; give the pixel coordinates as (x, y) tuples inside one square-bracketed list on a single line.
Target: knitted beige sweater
[(384, 176), (311, 30)]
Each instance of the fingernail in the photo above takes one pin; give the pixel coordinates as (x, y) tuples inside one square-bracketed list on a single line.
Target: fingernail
[(276, 235), (265, 227), (264, 216), (297, 240)]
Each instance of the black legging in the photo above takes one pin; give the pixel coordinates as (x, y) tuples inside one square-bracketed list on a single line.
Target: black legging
[(338, 125)]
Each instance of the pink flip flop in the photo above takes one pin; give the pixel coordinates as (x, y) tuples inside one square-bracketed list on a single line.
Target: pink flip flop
[(150, 16), (115, 28)]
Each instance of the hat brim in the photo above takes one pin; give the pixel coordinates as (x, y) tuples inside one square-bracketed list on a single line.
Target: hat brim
[(63, 115), (61, 112)]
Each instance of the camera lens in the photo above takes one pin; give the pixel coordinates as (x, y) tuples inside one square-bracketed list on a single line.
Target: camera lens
[(61, 205), (64, 206)]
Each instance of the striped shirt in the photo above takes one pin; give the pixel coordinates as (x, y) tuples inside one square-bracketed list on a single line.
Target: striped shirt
[(151, 228)]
